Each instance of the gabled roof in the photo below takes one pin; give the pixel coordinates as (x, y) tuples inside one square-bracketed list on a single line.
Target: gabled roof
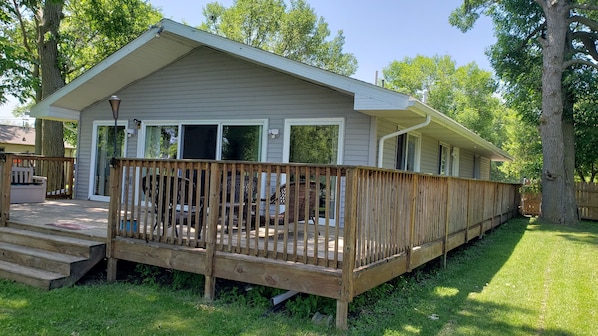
[(168, 41)]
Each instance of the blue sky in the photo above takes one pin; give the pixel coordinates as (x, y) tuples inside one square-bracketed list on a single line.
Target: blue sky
[(377, 32)]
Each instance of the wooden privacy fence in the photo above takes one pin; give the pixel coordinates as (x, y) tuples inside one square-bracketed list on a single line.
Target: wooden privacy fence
[(586, 195), (333, 231)]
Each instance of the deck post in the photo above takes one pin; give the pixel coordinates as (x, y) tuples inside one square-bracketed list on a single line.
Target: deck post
[(412, 221), (349, 254), (113, 215), (5, 178), (448, 212), (212, 231)]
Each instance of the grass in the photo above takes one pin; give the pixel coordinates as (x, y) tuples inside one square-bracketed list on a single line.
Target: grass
[(525, 278)]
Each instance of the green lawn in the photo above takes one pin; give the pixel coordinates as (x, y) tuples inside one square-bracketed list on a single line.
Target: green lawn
[(521, 279)]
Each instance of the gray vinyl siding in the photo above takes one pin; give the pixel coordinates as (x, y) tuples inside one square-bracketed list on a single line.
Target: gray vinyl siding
[(465, 164), (210, 85), (389, 158), (484, 168), (429, 155)]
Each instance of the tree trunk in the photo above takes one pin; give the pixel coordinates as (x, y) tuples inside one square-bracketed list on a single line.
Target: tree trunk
[(52, 80), (558, 196)]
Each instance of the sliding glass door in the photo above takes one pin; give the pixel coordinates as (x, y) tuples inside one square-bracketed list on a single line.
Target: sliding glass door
[(103, 150)]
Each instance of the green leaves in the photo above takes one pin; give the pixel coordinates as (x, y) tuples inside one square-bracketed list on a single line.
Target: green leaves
[(466, 93), (293, 31)]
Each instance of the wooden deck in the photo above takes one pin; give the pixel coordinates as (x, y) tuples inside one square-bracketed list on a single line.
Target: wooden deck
[(373, 224), (79, 217)]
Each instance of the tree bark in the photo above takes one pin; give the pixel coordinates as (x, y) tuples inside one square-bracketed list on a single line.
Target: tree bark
[(49, 19), (52, 80), (558, 196)]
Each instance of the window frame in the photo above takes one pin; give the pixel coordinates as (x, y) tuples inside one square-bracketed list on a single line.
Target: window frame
[(219, 123)]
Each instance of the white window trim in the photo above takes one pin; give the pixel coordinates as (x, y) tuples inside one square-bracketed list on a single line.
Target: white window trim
[(448, 158), (340, 122), (418, 146), (455, 161), (94, 152)]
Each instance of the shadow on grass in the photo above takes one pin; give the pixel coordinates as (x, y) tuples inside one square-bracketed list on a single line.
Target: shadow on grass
[(437, 301), (585, 232), (128, 309)]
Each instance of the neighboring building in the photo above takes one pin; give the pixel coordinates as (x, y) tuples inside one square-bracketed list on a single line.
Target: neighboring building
[(21, 139), (187, 93)]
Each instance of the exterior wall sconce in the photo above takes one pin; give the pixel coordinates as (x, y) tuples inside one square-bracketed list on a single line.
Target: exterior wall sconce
[(274, 133), (133, 130), (114, 105)]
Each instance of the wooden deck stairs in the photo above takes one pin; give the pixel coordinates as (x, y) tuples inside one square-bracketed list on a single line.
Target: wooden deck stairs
[(46, 258)]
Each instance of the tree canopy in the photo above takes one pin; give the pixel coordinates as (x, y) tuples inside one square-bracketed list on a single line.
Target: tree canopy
[(546, 50), (48, 43), (293, 31), (465, 93)]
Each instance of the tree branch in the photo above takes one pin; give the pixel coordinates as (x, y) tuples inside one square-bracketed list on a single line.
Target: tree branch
[(589, 42), (22, 24), (583, 7), (592, 24), (579, 61)]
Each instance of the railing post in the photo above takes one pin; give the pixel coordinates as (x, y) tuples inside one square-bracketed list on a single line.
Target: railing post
[(5, 178), (468, 218), (447, 216), (412, 220), (113, 215), (213, 206), (349, 250)]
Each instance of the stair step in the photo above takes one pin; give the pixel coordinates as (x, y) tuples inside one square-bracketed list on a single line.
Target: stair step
[(81, 234), (31, 276), (41, 259), (50, 242)]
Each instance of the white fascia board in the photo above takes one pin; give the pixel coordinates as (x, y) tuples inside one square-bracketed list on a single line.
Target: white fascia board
[(62, 114), (454, 126), (44, 106), (372, 101)]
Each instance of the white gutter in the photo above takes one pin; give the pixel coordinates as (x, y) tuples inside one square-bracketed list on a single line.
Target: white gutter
[(396, 134)]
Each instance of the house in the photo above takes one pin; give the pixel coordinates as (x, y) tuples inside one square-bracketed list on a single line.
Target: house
[(186, 93), (21, 139)]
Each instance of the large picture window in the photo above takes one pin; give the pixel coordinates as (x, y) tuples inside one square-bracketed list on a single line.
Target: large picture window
[(241, 141)]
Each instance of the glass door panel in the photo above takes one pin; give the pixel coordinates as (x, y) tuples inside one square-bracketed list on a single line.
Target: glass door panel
[(161, 142), (241, 143), (318, 144), (104, 151), (199, 142)]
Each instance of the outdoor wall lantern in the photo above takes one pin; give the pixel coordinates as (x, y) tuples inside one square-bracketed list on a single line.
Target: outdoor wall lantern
[(273, 133), (114, 104)]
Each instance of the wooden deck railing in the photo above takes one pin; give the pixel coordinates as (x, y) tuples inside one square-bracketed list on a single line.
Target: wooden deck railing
[(58, 170), (352, 227)]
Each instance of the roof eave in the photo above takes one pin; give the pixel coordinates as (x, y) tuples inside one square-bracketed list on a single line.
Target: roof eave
[(498, 154)]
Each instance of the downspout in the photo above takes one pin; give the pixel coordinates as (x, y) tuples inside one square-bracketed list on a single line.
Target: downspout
[(396, 134)]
